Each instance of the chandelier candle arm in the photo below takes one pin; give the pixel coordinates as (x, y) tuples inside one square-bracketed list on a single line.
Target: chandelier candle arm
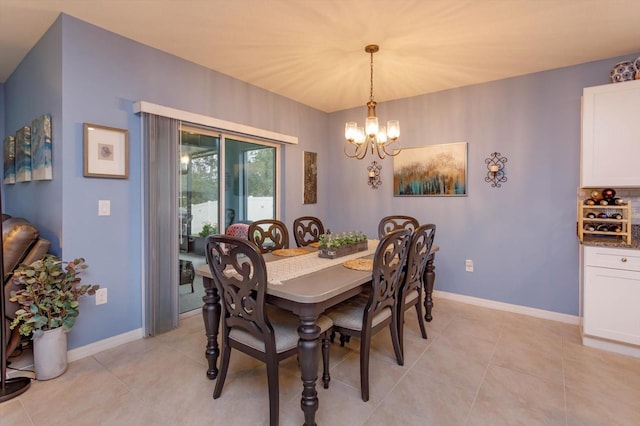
[(373, 136)]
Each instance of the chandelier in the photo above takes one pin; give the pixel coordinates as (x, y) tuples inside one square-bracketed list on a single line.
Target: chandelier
[(377, 139)]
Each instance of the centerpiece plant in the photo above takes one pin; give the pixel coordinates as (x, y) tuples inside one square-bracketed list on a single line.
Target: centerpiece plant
[(341, 239), (49, 294)]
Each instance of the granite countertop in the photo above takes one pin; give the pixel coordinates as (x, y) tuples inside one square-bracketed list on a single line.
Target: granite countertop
[(617, 242)]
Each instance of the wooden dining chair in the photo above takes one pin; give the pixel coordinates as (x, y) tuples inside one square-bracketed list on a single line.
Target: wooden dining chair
[(393, 223), (269, 235), (363, 316), (307, 230), (250, 325), (410, 292)]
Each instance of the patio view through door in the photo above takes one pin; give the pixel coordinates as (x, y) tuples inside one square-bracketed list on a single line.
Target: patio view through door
[(224, 181)]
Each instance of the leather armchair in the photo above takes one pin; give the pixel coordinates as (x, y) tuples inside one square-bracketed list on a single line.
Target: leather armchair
[(21, 243)]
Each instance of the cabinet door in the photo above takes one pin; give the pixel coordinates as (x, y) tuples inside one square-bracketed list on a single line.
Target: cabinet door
[(611, 135), (612, 304)]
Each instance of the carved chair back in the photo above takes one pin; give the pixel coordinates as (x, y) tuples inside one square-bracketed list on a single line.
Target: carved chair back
[(393, 223), (269, 235), (307, 230)]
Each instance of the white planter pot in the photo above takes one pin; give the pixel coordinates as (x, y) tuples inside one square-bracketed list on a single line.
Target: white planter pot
[(50, 353)]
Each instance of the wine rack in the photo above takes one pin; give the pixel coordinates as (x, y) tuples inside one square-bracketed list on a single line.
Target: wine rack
[(604, 223)]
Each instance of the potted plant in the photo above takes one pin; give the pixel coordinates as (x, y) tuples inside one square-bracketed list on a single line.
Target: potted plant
[(49, 306), (198, 242)]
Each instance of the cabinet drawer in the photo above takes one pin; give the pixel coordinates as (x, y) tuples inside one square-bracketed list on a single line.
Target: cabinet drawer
[(615, 258)]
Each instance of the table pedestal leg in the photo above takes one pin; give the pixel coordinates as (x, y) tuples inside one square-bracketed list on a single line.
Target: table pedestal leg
[(308, 355), (429, 280), (211, 315)]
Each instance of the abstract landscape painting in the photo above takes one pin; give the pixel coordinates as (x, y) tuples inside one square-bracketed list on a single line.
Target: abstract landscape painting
[(433, 170), (23, 154), (41, 148), (9, 159)]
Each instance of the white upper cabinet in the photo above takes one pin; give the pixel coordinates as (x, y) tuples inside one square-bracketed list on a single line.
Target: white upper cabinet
[(611, 135)]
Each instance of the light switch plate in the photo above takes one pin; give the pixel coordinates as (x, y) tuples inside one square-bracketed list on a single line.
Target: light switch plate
[(101, 296), (104, 208)]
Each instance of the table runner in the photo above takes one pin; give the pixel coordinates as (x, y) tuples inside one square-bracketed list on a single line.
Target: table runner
[(292, 267)]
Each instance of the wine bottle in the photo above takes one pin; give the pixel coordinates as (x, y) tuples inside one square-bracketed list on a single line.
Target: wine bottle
[(590, 215), (595, 194), (602, 228), (614, 228), (603, 215), (590, 202), (619, 202), (608, 193), (616, 216), (589, 227), (604, 202)]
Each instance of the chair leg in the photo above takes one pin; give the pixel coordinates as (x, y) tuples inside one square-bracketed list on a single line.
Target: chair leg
[(423, 330), (365, 347), (395, 340), (401, 310), (224, 367), (326, 377), (274, 396), (343, 339)]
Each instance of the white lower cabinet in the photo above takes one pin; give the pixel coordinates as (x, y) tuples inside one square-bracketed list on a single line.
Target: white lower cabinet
[(611, 294)]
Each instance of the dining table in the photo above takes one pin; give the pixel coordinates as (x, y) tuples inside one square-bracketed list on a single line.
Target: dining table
[(306, 285)]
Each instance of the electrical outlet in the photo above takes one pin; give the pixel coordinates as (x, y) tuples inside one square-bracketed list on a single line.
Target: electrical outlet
[(104, 207), (468, 265), (101, 296)]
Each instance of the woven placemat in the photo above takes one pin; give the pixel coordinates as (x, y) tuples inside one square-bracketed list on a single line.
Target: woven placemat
[(314, 244), (359, 264), (290, 252)]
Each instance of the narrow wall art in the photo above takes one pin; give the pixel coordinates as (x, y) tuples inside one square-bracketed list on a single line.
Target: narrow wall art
[(310, 184), (23, 154), (9, 159), (41, 148), (433, 170)]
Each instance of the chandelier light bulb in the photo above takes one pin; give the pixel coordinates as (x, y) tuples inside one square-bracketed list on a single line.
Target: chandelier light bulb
[(393, 129), (350, 131), (371, 125)]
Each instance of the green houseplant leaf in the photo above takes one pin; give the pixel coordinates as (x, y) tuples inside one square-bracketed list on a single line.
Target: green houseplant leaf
[(49, 294)]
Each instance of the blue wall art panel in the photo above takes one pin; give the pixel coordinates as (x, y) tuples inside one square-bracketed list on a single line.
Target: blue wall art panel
[(23, 154), (431, 170), (41, 148), (9, 159)]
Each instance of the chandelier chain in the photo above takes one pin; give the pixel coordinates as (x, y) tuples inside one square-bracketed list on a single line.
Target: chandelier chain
[(371, 79)]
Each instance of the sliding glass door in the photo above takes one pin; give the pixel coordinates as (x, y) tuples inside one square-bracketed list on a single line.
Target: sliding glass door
[(212, 164), (250, 178)]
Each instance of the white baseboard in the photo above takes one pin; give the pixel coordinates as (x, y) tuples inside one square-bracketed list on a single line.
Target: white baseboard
[(101, 345), (517, 309), (608, 345)]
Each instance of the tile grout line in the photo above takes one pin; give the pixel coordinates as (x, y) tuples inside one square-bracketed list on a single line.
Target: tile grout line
[(484, 375)]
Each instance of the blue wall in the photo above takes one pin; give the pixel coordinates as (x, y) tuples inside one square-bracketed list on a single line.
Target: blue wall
[(521, 237), (103, 74)]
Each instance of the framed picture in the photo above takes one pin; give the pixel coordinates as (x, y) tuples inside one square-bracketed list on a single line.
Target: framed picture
[(106, 152), (433, 170), (41, 148), (9, 159), (310, 184), (23, 154)]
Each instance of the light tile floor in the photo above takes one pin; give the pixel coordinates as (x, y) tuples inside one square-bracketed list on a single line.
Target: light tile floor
[(478, 367)]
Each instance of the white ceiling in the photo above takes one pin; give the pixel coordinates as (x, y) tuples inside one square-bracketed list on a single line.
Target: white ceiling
[(312, 51)]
